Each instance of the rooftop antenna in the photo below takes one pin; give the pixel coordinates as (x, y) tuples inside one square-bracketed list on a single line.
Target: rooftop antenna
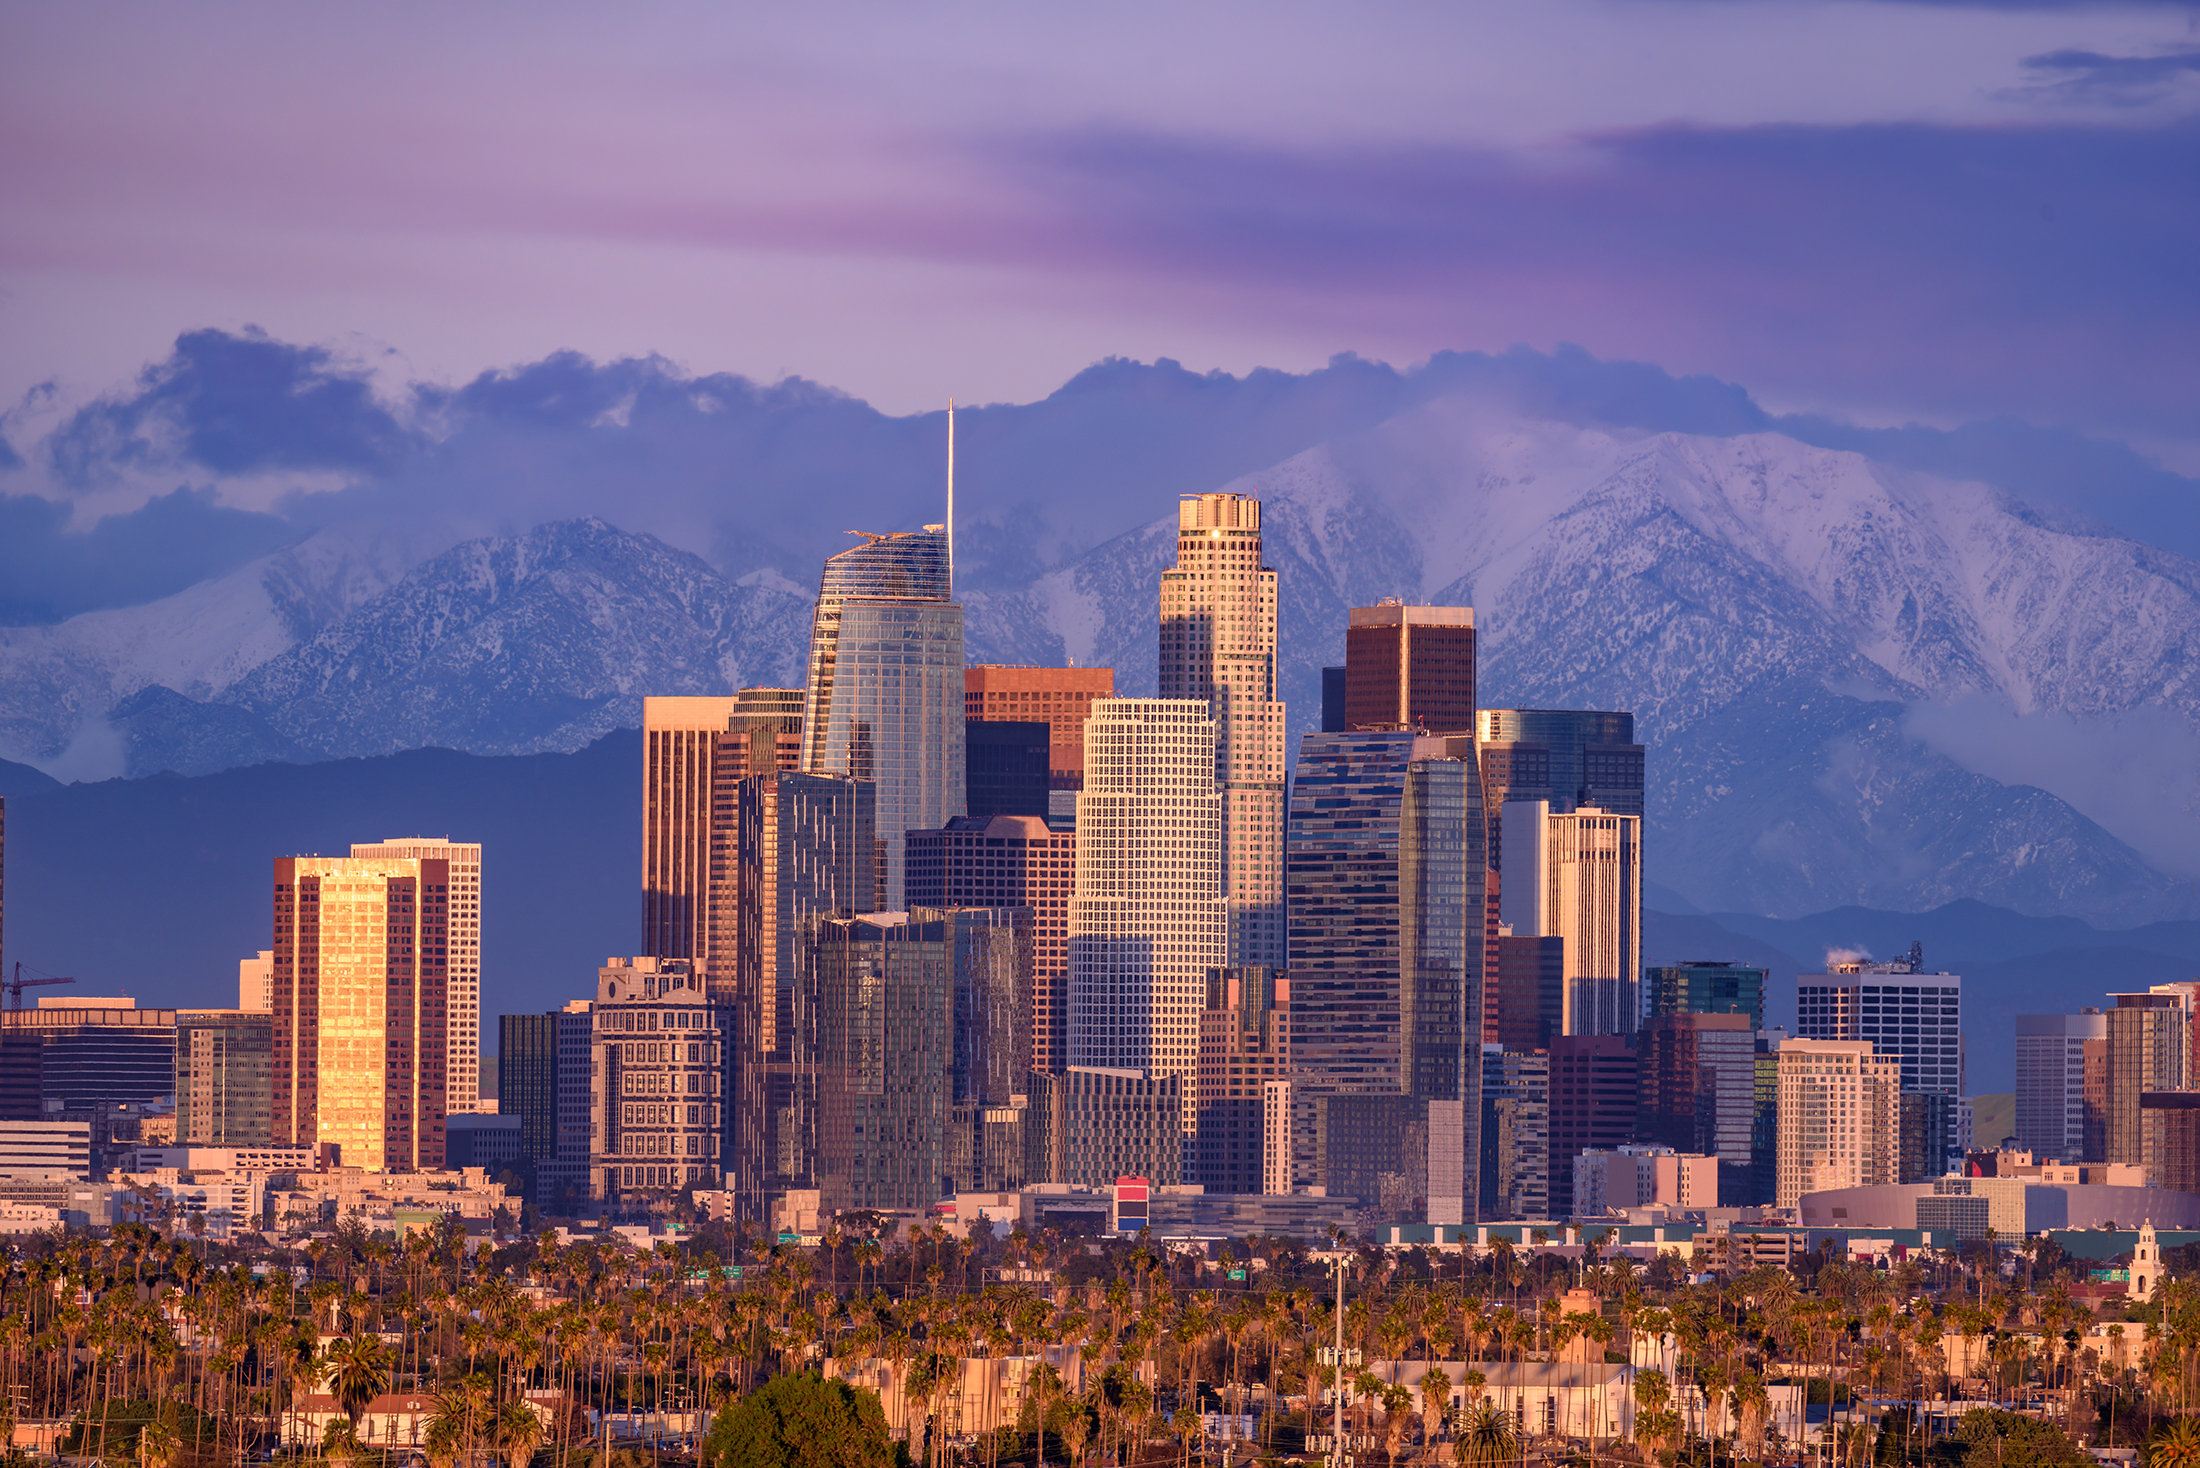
[(950, 496)]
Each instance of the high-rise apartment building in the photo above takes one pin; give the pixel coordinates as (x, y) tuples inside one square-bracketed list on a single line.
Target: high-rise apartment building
[(462, 1025), (885, 693), (1147, 917), (363, 949), (1516, 1133), (1594, 1091), (1588, 891), (1009, 861), (1839, 1117), (922, 1020), (1696, 1091), (1702, 986), (1898, 1008), (224, 1077), (1410, 668), (1244, 1043), (1090, 1125), (658, 1108), (2149, 1047), (1061, 698), (807, 853), (1218, 646), (2053, 1123)]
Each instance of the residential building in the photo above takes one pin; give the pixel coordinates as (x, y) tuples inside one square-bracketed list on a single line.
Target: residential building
[(1643, 1177), (1516, 1133), (2149, 1040), (1410, 668), (1218, 647), (362, 954), (59, 1147), (808, 852), (1062, 698), (1703, 986), (1898, 1008), (1696, 1091), (1839, 1117), (225, 1076), (97, 1050), (462, 989), (1010, 861), (1594, 1090), (256, 981), (884, 697), (1278, 1174), (1531, 990), (1093, 1124), (1147, 918), (1005, 769), (658, 1065), (1244, 1045), (2052, 1117)]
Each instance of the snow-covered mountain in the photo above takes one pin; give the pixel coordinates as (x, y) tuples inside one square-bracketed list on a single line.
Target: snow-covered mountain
[(1775, 614)]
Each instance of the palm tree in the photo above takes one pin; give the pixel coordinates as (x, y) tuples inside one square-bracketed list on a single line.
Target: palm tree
[(1486, 1436), (518, 1432), (358, 1371)]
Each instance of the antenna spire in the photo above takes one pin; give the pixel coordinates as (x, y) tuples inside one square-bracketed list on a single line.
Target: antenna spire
[(950, 496)]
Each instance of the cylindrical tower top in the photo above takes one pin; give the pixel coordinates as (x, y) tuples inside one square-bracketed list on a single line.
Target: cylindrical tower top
[(1217, 512)]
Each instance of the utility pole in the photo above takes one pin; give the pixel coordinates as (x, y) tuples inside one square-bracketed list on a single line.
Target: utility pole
[(1337, 1459)]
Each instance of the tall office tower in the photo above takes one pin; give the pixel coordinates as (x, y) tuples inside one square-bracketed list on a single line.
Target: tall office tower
[(527, 1080), (1062, 698), (1840, 1118), (658, 1067), (1594, 1090), (462, 1020), (2149, 1040), (1764, 1125), (1697, 1091), (256, 981), (1442, 869), (885, 693), (224, 1077), (683, 829), (2051, 1111), (1333, 690), (1410, 668), (1586, 757), (363, 948), (921, 1034), (1244, 1044), (1903, 1011), (1218, 645), (1005, 770), (1591, 896), (1009, 861), (1147, 917), (1531, 991), (1928, 1147), (761, 735), (561, 1179), (1702, 986), (1516, 1133), (808, 852)]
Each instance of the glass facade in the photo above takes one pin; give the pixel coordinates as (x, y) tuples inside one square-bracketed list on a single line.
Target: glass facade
[(1706, 988), (1006, 771), (1696, 1091), (1244, 1044), (884, 702), (1441, 874), (462, 955), (1589, 757), (527, 1079), (1516, 1133), (1009, 861), (224, 1077)]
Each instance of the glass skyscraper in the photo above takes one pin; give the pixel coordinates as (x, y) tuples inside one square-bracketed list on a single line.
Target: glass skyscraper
[(884, 700)]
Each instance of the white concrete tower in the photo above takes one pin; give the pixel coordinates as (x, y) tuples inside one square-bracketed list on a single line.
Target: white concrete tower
[(1218, 645), (1146, 918)]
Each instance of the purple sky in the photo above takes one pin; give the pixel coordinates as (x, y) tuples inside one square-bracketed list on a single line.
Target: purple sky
[(1894, 212)]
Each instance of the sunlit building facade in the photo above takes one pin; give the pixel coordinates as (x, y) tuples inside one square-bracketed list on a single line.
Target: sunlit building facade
[(658, 1108), (224, 1077), (463, 1023)]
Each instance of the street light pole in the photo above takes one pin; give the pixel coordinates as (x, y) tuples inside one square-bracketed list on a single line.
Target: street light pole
[(1337, 1457)]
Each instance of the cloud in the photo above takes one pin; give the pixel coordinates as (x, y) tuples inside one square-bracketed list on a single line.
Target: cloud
[(233, 404), (48, 572), (2117, 81)]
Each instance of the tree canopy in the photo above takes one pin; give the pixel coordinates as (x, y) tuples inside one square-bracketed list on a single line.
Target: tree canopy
[(801, 1421)]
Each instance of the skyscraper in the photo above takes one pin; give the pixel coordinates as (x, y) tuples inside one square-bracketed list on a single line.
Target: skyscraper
[(807, 854), (2051, 1102), (2149, 1038), (1244, 1044), (1591, 896), (527, 1079), (1696, 1091), (1531, 991), (1062, 698), (885, 694), (1706, 987), (1586, 757), (224, 1077), (361, 1059), (1839, 1118), (1516, 1133), (1218, 646), (462, 1021), (1594, 1091), (1410, 668), (1005, 768), (1904, 1012), (1009, 861), (1147, 918), (657, 1069)]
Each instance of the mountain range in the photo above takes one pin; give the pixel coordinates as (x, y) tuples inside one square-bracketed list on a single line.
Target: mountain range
[(1861, 682)]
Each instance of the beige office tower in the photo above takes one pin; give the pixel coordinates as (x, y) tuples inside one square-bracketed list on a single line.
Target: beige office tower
[(1590, 894), (1840, 1118), (1146, 918), (2149, 1049), (1218, 646), (464, 1017), (361, 974), (256, 981)]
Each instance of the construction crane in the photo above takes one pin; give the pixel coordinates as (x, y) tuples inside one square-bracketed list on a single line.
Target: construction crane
[(18, 984)]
